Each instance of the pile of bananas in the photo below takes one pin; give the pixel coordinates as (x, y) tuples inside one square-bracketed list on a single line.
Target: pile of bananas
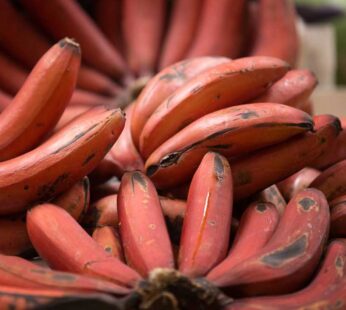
[(220, 191)]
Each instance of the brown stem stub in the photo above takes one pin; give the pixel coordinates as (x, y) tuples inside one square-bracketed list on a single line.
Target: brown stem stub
[(169, 289)]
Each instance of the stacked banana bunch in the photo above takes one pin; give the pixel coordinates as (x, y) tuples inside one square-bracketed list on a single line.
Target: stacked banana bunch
[(217, 189)]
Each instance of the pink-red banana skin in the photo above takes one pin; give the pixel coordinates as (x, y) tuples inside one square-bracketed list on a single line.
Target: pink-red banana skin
[(225, 85), (250, 176), (257, 225), (61, 17), (207, 218), (143, 27), (293, 89), (40, 102), (143, 231), (220, 30), (18, 272), (337, 151), (5, 100), (276, 34), (291, 255), (163, 85), (60, 162), (124, 153), (181, 29), (338, 217), (326, 291), (108, 237), (298, 181), (332, 181), (63, 243), (232, 132), (273, 195)]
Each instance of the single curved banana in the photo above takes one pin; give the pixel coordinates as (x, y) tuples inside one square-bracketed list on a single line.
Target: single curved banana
[(257, 225), (65, 246), (142, 229), (207, 218), (260, 169), (60, 162), (326, 291), (232, 132), (163, 85), (297, 181), (228, 84), (40, 102), (293, 89), (291, 255)]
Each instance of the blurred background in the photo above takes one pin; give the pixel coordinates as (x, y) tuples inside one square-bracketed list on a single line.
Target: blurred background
[(322, 31)]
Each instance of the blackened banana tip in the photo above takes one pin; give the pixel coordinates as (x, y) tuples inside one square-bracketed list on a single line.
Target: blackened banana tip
[(70, 43)]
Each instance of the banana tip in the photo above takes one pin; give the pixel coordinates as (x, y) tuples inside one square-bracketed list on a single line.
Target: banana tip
[(70, 43)]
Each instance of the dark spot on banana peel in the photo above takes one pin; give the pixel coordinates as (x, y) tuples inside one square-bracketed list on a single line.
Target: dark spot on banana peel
[(337, 124), (74, 139), (170, 159), (89, 158), (261, 207), (49, 190), (108, 249), (339, 265), (285, 254), (242, 178), (306, 204), (219, 167), (152, 169), (248, 115), (137, 177), (308, 125)]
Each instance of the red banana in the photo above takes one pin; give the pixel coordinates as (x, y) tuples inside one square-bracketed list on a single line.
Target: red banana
[(293, 89), (326, 291), (40, 102), (207, 218), (64, 244), (338, 217), (64, 17), (163, 84), (273, 164), (60, 162), (220, 29), (143, 27), (291, 255), (181, 30), (142, 225), (273, 195), (256, 227), (219, 87), (298, 181), (276, 34), (5, 100), (232, 132)]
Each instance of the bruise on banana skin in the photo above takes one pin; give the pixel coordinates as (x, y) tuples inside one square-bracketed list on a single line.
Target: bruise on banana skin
[(219, 167), (48, 190), (137, 177), (261, 207), (306, 203), (287, 253)]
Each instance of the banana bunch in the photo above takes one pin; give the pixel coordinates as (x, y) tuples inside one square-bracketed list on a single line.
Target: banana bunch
[(125, 42)]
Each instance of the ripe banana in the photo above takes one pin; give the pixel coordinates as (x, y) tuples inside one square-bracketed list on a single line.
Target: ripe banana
[(326, 291), (142, 225), (289, 258), (163, 85), (60, 162), (12, 76), (18, 272), (40, 102), (108, 237), (256, 227), (225, 85), (74, 22), (293, 89), (207, 218), (143, 26), (232, 132), (276, 31), (273, 164), (181, 30), (63, 243), (220, 29), (338, 217), (273, 195), (298, 181)]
